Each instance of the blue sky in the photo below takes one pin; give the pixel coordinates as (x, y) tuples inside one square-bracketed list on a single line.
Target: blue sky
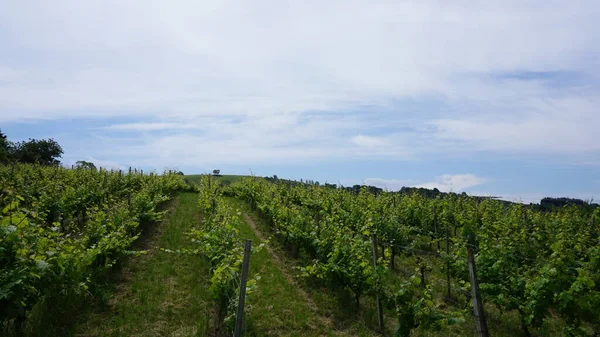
[(492, 97)]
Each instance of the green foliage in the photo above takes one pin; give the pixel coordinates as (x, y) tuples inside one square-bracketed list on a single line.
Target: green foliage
[(59, 228), (33, 151), (85, 165), (529, 262), (332, 226), (218, 239), (415, 308), (551, 203), (4, 149), (37, 151), (539, 263)]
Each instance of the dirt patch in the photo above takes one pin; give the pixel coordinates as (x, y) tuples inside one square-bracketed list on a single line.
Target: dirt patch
[(305, 296)]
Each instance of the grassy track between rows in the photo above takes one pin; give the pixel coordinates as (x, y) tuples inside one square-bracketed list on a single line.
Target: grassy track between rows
[(283, 307), (278, 307), (159, 294), (162, 294)]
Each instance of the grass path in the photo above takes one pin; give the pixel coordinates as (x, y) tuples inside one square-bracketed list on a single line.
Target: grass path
[(279, 263), (282, 307), (159, 294), (162, 294), (279, 306)]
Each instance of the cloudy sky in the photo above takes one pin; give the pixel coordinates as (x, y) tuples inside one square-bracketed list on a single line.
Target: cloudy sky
[(489, 97)]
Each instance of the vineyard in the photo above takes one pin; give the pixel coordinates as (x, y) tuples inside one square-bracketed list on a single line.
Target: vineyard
[(541, 266), (61, 229), (403, 264)]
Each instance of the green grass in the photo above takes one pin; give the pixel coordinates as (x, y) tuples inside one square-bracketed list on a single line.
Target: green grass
[(159, 294), (282, 308), (278, 308)]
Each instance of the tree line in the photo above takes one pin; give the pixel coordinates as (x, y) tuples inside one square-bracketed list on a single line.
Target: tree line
[(32, 151)]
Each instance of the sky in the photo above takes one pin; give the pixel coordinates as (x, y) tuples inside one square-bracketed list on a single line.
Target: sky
[(488, 97)]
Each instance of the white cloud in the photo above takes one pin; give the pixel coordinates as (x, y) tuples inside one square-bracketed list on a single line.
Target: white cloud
[(444, 183), (389, 184), (348, 182), (214, 141), (241, 50), (454, 182), (149, 126), (369, 141), (277, 81), (558, 125)]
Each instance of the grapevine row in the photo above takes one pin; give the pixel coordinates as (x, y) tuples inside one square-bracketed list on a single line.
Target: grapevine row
[(537, 264), (61, 228), (217, 238)]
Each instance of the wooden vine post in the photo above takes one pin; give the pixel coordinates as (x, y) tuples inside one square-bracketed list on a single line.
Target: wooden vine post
[(482, 330), (448, 261), (435, 227), (379, 305), (239, 318)]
